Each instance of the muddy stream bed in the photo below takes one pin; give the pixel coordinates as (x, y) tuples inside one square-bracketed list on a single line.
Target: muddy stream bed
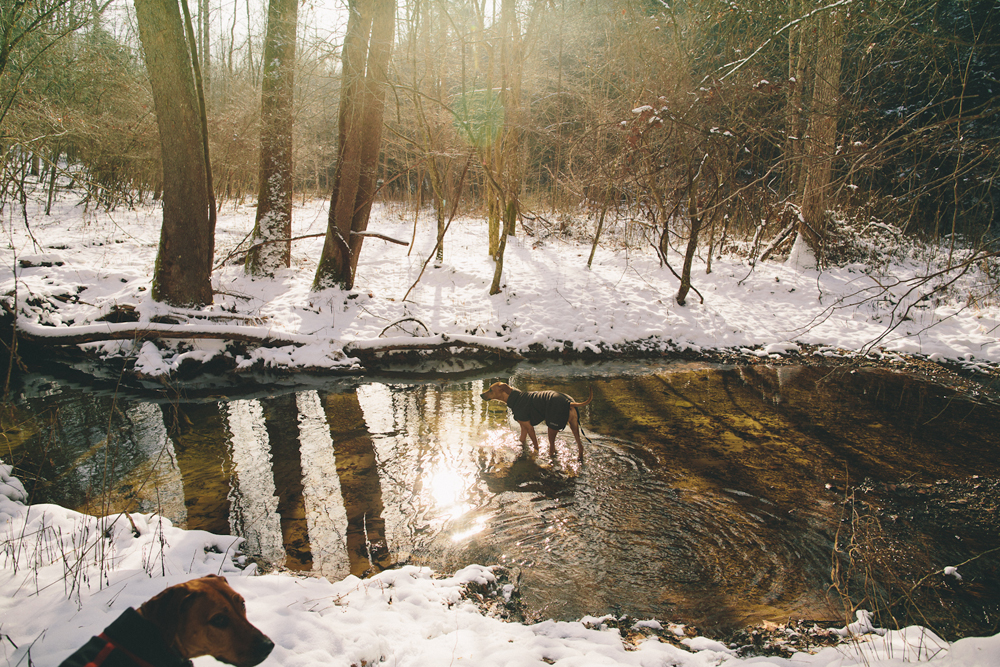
[(712, 495)]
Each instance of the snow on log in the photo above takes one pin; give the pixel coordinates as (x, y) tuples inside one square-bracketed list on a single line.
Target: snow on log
[(103, 331), (372, 346), (91, 333)]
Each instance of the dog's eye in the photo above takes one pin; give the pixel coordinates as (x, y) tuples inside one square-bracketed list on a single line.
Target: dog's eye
[(220, 621)]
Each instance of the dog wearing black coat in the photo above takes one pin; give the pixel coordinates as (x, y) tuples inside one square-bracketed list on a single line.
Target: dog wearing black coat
[(534, 407), (199, 617)]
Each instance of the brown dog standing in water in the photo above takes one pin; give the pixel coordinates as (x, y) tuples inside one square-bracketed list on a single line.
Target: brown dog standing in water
[(199, 617), (535, 407)]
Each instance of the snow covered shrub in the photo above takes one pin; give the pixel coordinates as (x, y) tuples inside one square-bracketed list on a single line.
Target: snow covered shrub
[(871, 242)]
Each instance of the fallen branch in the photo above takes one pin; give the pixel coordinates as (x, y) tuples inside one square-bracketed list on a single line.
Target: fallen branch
[(381, 236), (260, 244), (405, 319), (776, 241)]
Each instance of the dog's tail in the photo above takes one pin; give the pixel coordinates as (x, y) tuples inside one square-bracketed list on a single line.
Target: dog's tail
[(586, 402)]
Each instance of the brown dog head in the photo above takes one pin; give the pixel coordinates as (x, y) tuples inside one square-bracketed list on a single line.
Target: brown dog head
[(207, 617), (498, 391)]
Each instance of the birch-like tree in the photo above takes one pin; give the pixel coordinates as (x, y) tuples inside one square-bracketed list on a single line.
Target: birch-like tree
[(273, 227)]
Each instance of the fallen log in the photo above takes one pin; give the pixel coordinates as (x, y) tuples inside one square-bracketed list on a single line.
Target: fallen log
[(104, 331), (371, 348)]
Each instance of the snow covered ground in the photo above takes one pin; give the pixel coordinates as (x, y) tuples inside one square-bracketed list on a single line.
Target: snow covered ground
[(64, 576), (75, 267)]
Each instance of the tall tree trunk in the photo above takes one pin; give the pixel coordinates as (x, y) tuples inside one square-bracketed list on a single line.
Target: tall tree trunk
[(376, 77), (821, 138), (795, 88), (695, 216), (508, 153), (273, 227), (367, 48), (183, 269), (430, 82), (53, 173), (206, 48), (493, 214)]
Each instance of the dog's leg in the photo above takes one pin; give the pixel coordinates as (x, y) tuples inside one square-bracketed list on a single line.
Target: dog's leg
[(528, 430), (552, 442), (574, 424)]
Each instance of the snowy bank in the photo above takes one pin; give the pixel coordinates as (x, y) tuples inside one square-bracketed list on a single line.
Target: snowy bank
[(87, 267)]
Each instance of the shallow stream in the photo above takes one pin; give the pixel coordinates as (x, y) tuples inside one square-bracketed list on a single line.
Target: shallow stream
[(709, 495)]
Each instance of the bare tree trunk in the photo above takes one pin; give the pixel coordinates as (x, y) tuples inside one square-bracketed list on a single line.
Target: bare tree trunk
[(206, 49), (334, 263), (182, 274), (438, 190), (367, 48), (431, 81), (695, 216), (794, 99), (821, 139), (493, 215), (53, 173), (597, 233), (508, 152), (273, 227), (379, 55)]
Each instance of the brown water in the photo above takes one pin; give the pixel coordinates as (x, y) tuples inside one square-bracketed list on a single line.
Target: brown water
[(709, 495)]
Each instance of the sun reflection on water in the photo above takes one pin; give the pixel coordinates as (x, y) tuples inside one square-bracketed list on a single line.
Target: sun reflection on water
[(478, 525), (448, 488)]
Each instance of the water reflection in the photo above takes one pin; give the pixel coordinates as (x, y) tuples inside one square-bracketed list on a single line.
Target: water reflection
[(708, 495), (252, 497), (360, 487), (324, 543)]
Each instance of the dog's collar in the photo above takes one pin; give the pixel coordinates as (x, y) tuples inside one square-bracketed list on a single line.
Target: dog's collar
[(109, 647), (131, 624)]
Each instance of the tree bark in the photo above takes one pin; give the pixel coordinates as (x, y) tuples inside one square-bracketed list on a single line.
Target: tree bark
[(508, 152), (367, 49), (206, 48), (183, 269), (695, 216), (273, 225), (821, 137), (796, 85)]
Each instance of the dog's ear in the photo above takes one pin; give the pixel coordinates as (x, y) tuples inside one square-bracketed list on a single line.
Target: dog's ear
[(166, 609)]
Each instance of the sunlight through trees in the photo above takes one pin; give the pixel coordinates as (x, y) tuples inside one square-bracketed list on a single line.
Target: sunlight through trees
[(766, 121)]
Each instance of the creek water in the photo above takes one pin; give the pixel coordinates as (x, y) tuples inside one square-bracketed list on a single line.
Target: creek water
[(711, 495)]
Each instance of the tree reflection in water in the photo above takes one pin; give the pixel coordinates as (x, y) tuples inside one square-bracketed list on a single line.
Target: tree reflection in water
[(709, 495)]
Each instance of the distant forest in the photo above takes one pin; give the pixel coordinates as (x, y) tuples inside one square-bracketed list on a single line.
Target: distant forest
[(717, 121)]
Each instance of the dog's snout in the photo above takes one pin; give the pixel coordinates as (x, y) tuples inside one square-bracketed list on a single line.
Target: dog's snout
[(485, 396), (262, 648)]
